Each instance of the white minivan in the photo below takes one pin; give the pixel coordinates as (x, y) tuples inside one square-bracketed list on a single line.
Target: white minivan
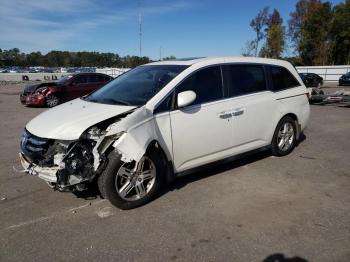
[(157, 121)]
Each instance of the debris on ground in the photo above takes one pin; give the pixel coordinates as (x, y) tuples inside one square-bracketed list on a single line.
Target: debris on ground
[(105, 212), (317, 96)]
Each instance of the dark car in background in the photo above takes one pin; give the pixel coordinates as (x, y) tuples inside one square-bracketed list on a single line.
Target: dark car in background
[(67, 88), (311, 79), (344, 79)]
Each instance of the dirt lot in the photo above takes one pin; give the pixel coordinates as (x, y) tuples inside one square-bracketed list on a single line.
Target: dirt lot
[(247, 210)]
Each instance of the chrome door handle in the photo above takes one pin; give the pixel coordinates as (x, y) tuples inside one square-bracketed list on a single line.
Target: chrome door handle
[(238, 112), (225, 115)]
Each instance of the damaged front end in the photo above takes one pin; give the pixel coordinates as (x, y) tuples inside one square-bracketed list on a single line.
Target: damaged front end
[(67, 165)]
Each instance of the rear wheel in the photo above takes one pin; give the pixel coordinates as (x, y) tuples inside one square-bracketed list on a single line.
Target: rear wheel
[(129, 185), (284, 139), (52, 100)]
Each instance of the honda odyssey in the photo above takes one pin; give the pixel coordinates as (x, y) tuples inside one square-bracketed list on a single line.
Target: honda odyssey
[(157, 121)]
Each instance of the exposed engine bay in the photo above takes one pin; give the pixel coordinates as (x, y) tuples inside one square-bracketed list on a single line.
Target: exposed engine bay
[(69, 165)]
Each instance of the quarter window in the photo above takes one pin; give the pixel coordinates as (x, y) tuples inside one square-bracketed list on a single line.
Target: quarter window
[(107, 78), (282, 78), (165, 105), (206, 83), (245, 79)]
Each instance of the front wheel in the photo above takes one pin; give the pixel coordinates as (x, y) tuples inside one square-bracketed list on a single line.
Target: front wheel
[(52, 100), (284, 139), (130, 185)]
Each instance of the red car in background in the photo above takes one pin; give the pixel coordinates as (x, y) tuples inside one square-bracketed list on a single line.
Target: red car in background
[(67, 88)]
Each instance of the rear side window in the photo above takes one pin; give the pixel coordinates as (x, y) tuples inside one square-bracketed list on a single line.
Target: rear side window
[(206, 83), (80, 79), (282, 78), (96, 78), (245, 79)]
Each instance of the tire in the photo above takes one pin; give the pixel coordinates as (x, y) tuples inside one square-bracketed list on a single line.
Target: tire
[(110, 178), (52, 100), (278, 147)]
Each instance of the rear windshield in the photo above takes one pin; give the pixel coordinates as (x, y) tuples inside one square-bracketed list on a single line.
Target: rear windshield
[(64, 79)]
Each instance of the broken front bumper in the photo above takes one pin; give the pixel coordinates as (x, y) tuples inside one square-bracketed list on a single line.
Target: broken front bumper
[(46, 173), (35, 100)]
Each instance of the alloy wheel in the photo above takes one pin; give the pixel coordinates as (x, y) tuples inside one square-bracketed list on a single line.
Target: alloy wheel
[(285, 136), (133, 183), (51, 101)]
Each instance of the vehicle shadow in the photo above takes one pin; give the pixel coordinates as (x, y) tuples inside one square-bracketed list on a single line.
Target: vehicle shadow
[(215, 168), (90, 193), (219, 167), (281, 258), (301, 139), (199, 173)]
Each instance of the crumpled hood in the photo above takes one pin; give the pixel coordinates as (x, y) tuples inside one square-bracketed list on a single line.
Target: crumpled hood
[(69, 120)]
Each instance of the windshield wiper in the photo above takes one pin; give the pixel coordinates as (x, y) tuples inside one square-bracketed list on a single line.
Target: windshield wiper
[(88, 98), (115, 101)]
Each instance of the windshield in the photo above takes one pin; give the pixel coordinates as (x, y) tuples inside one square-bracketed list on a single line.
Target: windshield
[(136, 86), (62, 80)]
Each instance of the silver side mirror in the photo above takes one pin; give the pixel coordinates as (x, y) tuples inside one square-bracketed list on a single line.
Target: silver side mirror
[(185, 98)]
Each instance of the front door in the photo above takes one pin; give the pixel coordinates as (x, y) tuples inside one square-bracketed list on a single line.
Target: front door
[(201, 132)]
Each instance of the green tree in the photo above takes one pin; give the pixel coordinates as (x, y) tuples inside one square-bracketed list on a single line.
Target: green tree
[(340, 34), (13, 57), (34, 59), (249, 49), (314, 46), (297, 19), (275, 36), (169, 58), (258, 24)]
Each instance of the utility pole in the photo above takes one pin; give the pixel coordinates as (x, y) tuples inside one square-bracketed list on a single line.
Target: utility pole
[(160, 53), (140, 28)]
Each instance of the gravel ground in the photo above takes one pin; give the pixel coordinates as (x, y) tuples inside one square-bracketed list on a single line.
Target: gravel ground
[(260, 207)]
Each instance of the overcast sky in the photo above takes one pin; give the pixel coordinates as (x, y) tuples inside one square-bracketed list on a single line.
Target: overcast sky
[(181, 28)]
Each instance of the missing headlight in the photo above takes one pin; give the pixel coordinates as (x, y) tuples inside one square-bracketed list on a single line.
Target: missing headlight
[(78, 164)]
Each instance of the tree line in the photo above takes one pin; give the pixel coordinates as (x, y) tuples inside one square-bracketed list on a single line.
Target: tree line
[(317, 32), (14, 57)]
